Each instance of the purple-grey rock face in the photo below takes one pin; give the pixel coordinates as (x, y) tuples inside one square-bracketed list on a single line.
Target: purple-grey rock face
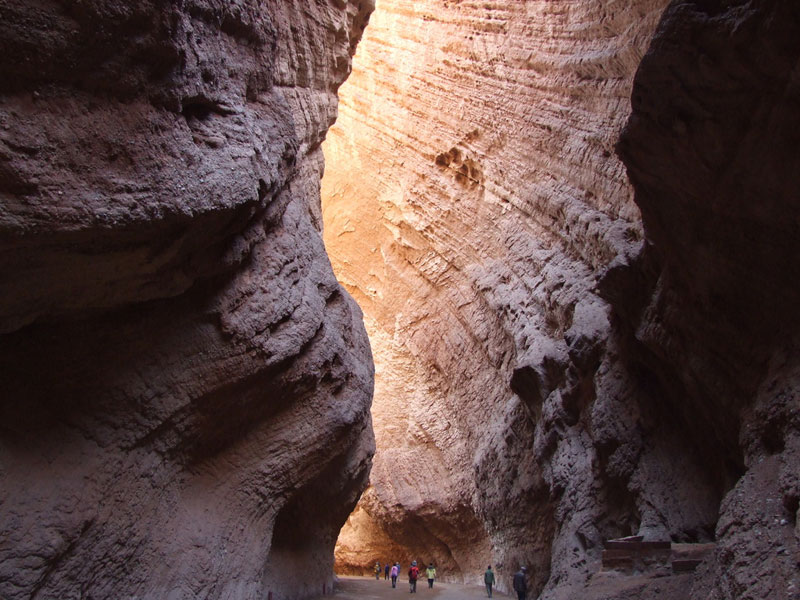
[(711, 149), (186, 388)]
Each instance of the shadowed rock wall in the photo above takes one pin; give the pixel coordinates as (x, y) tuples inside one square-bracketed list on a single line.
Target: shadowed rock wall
[(711, 151), (186, 388), (554, 368)]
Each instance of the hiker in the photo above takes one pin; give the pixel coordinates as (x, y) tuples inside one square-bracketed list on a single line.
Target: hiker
[(394, 573), (386, 572), (520, 585), (413, 574), (377, 570), (488, 579), (431, 573)]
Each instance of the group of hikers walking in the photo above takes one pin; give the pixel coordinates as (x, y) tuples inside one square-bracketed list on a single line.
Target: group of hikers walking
[(393, 572), (520, 583)]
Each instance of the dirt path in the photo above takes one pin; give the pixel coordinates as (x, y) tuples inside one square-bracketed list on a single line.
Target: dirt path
[(361, 588)]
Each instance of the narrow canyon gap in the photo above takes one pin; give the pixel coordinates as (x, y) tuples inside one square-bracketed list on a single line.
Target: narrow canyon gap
[(579, 334), (569, 346)]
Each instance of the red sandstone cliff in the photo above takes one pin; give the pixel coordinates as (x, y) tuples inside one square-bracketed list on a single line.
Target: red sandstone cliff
[(492, 201), (186, 388)]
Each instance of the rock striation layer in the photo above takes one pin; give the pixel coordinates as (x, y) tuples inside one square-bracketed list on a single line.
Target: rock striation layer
[(553, 367), (472, 197), (186, 387)]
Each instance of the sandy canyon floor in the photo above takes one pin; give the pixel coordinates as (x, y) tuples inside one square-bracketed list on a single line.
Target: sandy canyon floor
[(353, 588)]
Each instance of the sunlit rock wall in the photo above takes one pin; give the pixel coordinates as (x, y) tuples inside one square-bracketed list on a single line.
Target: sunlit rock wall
[(550, 372), (186, 388), (472, 196)]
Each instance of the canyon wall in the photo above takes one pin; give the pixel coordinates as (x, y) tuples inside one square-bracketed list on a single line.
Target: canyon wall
[(186, 387), (472, 196), (553, 367), (711, 151)]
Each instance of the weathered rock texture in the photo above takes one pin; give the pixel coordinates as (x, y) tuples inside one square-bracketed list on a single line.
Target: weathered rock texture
[(711, 150), (472, 196), (551, 373), (186, 388)]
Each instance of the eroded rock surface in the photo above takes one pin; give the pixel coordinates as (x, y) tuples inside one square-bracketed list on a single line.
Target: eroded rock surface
[(472, 197), (554, 368), (186, 387), (711, 150)]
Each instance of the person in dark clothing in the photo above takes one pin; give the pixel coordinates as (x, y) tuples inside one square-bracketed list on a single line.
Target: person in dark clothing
[(488, 579), (386, 572), (520, 583)]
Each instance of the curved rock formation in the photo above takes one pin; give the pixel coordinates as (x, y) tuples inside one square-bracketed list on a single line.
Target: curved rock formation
[(551, 373), (186, 386), (471, 198), (711, 151)]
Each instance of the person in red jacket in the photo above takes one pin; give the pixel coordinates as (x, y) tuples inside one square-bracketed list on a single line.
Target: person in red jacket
[(413, 575)]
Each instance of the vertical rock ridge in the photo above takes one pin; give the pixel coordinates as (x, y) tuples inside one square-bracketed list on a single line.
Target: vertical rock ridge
[(184, 379), (722, 318)]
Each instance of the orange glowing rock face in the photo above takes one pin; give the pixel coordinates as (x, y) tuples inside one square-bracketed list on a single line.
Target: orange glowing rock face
[(471, 195), (546, 381)]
